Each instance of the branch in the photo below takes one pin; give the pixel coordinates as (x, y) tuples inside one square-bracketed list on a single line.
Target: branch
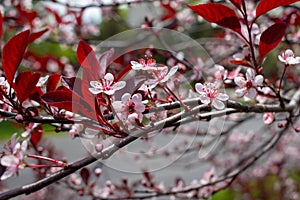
[(107, 152), (101, 5)]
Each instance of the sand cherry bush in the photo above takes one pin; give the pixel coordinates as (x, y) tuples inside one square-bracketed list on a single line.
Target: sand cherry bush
[(212, 87)]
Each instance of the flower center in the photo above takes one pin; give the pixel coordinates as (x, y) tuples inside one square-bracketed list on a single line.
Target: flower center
[(249, 84)]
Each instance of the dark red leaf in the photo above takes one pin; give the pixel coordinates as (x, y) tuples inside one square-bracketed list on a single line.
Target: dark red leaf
[(85, 175), (13, 52), (36, 95), (25, 84), (267, 5), (105, 59), (270, 38), (237, 3), (69, 82), (123, 72), (36, 135), (52, 82), (1, 25), (88, 60), (219, 14), (241, 62), (59, 98), (171, 12), (36, 35)]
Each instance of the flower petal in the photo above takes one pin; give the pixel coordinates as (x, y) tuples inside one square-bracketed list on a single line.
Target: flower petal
[(222, 96), (204, 99), (250, 74), (137, 98), (240, 92), (109, 78), (109, 92), (125, 97), (139, 107), (240, 81), (258, 80), (218, 104), (95, 84), (251, 93), (119, 85), (136, 65), (199, 88), (9, 161), (95, 91)]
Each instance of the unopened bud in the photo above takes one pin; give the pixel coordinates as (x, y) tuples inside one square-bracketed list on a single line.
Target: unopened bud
[(99, 147)]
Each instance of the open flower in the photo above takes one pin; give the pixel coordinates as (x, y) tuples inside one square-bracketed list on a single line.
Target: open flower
[(161, 75), (106, 85), (143, 64), (247, 87), (209, 93), (13, 159), (130, 109), (288, 58)]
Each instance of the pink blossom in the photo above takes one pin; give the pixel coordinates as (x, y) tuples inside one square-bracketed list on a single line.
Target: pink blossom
[(209, 93), (106, 85), (13, 159), (247, 87), (161, 75), (268, 118), (289, 58), (219, 72), (144, 64), (130, 109), (11, 163)]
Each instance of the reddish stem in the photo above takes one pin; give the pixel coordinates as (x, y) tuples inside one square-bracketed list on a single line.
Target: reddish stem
[(59, 163)]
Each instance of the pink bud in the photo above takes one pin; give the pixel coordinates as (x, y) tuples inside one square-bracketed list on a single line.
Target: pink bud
[(98, 171), (19, 117), (99, 147)]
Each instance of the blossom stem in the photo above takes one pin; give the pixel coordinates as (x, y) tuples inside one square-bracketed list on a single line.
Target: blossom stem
[(178, 99), (59, 163), (282, 75), (279, 87), (250, 42), (40, 166)]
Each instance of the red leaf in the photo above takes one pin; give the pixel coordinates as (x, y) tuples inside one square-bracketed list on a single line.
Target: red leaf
[(88, 60), (219, 14), (267, 5), (59, 98), (105, 59), (36, 35), (25, 84), (85, 175), (241, 62), (36, 135), (123, 72), (52, 82), (237, 3), (171, 12), (270, 38), (1, 25), (13, 52)]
